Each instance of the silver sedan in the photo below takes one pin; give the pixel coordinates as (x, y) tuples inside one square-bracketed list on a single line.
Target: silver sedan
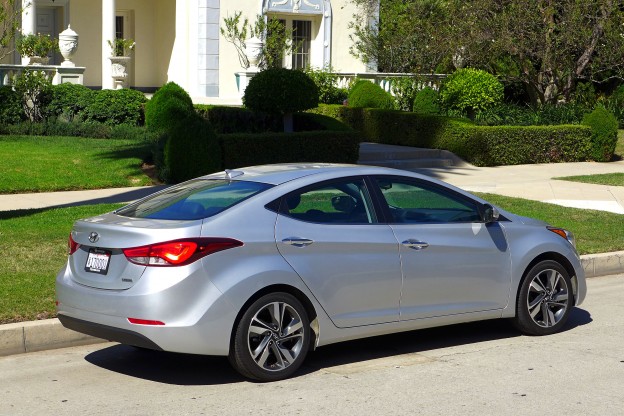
[(264, 264)]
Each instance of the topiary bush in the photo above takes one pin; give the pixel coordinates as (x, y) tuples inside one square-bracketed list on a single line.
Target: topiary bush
[(365, 94), (11, 110), (426, 101), (114, 107), (469, 90), (226, 120), (281, 91), (170, 104), (604, 128), (69, 100)]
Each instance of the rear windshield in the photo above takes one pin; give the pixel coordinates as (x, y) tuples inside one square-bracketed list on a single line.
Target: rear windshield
[(193, 200)]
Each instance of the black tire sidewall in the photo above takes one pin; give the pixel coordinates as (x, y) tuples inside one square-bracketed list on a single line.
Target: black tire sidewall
[(523, 320), (240, 356)]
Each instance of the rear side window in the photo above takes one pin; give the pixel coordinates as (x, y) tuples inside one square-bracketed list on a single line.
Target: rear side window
[(193, 200)]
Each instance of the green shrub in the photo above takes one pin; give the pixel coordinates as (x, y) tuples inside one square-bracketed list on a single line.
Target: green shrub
[(11, 110), (34, 89), (615, 104), (115, 107), (170, 104), (470, 90), (326, 82), (585, 95), (506, 114), (69, 100), (191, 149), (405, 90), (281, 91), (480, 145), (426, 101), (318, 122), (604, 138), (322, 146), (365, 94)]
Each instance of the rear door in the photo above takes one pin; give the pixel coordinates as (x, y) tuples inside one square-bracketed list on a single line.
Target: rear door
[(330, 235)]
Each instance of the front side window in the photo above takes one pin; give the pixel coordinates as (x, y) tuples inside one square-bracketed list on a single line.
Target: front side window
[(338, 202), (418, 202), (193, 200)]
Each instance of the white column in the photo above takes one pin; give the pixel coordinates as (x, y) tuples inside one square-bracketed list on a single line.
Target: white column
[(108, 33), (29, 21)]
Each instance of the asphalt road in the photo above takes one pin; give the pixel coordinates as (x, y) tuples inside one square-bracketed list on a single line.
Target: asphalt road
[(483, 368)]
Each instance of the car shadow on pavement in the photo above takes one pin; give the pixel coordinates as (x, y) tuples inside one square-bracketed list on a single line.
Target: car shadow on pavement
[(188, 369)]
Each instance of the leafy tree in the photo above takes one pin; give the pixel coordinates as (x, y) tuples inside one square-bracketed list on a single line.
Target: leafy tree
[(547, 45), (276, 40), (10, 17)]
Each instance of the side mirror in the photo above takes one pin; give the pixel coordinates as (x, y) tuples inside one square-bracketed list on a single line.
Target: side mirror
[(489, 214)]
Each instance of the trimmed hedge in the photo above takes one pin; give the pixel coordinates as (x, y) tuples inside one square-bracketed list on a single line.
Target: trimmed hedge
[(114, 107), (240, 150), (281, 91), (480, 145), (167, 107), (69, 100), (229, 120), (11, 110), (79, 129)]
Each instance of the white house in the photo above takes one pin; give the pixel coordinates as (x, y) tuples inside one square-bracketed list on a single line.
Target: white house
[(180, 40)]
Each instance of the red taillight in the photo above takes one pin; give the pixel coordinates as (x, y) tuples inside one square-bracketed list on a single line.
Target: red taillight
[(178, 252), (137, 321), (72, 246)]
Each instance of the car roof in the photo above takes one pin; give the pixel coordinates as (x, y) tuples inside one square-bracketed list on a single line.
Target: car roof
[(281, 173)]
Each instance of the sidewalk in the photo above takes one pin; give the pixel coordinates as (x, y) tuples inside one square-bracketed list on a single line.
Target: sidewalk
[(525, 181)]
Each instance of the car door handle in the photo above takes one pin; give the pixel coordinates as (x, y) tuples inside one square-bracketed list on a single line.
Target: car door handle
[(297, 242), (415, 244)]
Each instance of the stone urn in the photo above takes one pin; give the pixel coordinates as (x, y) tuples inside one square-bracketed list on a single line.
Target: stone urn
[(119, 70), (68, 43), (253, 50)]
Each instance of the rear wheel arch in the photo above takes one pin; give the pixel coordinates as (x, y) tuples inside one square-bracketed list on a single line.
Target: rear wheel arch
[(301, 297)]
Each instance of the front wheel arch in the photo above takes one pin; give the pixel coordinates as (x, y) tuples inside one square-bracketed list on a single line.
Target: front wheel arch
[(556, 257)]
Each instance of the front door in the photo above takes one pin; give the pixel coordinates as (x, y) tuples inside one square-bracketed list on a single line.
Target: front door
[(452, 262)]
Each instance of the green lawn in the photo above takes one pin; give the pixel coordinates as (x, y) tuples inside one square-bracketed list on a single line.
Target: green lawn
[(44, 164), (595, 231), (611, 179), (33, 246)]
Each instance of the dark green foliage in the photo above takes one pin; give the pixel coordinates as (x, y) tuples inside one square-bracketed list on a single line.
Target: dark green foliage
[(585, 95), (191, 149), (69, 100), (365, 94), (281, 91), (604, 128), (326, 146), (470, 90), (170, 104), (114, 107), (426, 101), (615, 104), (480, 145), (226, 120), (11, 110)]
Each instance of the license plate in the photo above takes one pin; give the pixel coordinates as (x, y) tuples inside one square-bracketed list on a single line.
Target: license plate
[(98, 260)]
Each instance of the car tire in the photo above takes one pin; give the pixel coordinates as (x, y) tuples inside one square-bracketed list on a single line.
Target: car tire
[(272, 338), (544, 300)]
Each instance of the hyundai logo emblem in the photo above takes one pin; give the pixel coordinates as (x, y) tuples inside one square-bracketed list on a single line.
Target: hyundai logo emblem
[(94, 237)]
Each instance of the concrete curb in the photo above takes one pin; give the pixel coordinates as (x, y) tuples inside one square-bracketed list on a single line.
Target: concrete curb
[(23, 337)]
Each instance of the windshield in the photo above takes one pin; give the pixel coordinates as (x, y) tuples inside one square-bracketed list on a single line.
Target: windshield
[(193, 200)]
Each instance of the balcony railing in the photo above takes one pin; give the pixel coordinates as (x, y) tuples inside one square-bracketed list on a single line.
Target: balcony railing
[(55, 73)]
